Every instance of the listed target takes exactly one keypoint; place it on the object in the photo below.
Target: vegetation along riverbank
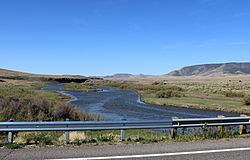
(228, 94)
(23, 100)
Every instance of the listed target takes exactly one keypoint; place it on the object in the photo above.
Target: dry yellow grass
(74, 136)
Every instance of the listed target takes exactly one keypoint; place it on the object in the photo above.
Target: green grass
(205, 94)
(13, 146)
(24, 101)
(86, 87)
(218, 102)
(211, 94)
(132, 136)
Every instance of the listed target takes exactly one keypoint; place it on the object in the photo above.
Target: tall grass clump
(168, 94)
(234, 94)
(247, 99)
(87, 87)
(24, 103)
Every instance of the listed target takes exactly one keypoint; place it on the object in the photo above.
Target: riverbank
(24, 100)
(84, 87)
(227, 94)
(129, 99)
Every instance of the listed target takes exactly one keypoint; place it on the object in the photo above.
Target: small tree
(247, 99)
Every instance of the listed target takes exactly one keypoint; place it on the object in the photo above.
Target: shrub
(174, 88)
(13, 146)
(168, 94)
(247, 99)
(233, 94)
(155, 83)
(26, 104)
(87, 86)
(90, 140)
(107, 137)
(164, 94)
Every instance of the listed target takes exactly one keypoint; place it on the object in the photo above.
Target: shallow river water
(115, 104)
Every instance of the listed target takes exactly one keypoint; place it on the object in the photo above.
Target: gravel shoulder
(119, 150)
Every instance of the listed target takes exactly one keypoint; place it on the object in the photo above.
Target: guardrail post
(67, 134)
(174, 130)
(243, 128)
(221, 128)
(122, 135)
(10, 138)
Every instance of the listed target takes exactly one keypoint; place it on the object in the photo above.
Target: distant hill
(5, 72)
(213, 70)
(120, 75)
(126, 75)
(9, 74)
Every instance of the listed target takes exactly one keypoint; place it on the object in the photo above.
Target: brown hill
(213, 70)
(10, 74)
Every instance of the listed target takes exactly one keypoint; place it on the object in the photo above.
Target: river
(116, 104)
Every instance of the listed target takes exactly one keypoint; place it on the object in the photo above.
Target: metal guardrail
(175, 123)
(199, 122)
(82, 125)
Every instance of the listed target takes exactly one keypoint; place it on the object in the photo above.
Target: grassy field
(24, 101)
(229, 94)
(86, 87)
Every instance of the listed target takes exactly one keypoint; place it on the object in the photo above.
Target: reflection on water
(114, 104)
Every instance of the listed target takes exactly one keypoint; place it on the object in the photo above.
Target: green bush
(173, 88)
(107, 137)
(234, 94)
(168, 94)
(247, 99)
(90, 140)
(87, 87)
(101, 137)
(164, 94)
(13, 146)
(155, 83)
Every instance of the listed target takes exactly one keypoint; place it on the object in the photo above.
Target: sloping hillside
(9, 74)
(126, 75)
(213, 70)
(5, 72)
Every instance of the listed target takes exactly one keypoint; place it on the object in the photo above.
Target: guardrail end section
(174, 130)
(243, 128)
(67, 134)
(221, 128)
(10, 137)
(122, 134)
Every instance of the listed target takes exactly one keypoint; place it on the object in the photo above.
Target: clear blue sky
(101, 37)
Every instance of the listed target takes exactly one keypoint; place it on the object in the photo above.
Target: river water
(115, 104)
